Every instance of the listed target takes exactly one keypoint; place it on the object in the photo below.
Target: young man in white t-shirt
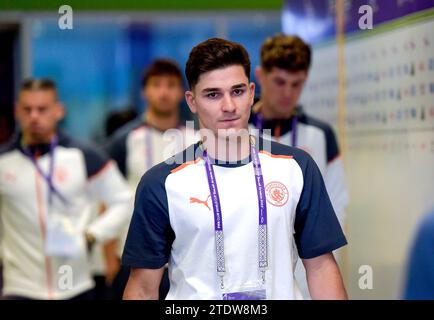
(231, 213)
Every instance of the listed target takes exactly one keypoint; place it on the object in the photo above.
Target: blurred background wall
(377, 88)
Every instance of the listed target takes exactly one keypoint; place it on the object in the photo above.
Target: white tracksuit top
(83, 176)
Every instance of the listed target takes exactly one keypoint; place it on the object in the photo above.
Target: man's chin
(284, 111)
(38, 136)
(165, 111)
(232, 132)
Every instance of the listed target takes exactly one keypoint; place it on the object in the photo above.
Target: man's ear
(259, 74)
(252, 87)
(60, 111)
(189, 97)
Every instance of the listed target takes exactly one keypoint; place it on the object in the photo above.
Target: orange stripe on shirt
(184, 165)
(276, 155)
(42, 216)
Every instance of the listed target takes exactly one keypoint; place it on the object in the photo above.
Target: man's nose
(288, 91)
(228, 104)
(34, 115)
(164, 92)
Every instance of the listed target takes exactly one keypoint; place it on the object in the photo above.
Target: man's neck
(228, 149)
(34, 140)
(269, 114)
(161, 122)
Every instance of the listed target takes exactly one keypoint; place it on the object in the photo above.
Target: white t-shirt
(173, 222)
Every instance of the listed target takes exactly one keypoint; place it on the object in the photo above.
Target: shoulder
(121, 134)
(9, 145)
(94, 156)
(329, 134)
(322, 125)
(158, 174)
(278, 150)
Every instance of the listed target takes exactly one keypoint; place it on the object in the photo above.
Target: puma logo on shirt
(205, 203)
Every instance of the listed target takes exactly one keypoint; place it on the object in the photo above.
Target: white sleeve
(334, 179)
(109, 186)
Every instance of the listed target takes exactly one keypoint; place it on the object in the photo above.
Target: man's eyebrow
(236, 86)
(210, 90)
(239, 86)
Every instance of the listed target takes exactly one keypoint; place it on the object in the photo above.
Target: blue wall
(98, 65)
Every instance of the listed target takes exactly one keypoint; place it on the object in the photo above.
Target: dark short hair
(161, 67)
(214, 54)
(288, 52)
(39, 84)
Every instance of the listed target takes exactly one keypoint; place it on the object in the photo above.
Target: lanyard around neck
(47, 177)
(218, 221)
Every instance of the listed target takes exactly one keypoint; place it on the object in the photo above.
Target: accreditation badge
(61, 237)
(252, 291)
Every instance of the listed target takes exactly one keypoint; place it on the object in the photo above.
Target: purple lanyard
(48, 178)
(259, 123)
(218, 222)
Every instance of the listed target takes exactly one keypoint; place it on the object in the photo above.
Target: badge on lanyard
(254, 291)
(62, 239)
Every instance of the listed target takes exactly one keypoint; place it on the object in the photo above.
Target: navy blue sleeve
(150, 235)
(11, 144)
(116, 145)
(317, 229)
(117, 149)
(420, 274)
(95, 158)
(331, 142)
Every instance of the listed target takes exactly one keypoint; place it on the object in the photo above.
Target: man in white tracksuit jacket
(49, 183)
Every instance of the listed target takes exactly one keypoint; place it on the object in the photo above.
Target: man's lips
(228, 123)
(35, 127)
(285, 103)
(229, 120)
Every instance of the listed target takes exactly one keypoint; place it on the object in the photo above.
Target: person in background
(48, 184)
(285, 63)
(144, 142)
(420, 266)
